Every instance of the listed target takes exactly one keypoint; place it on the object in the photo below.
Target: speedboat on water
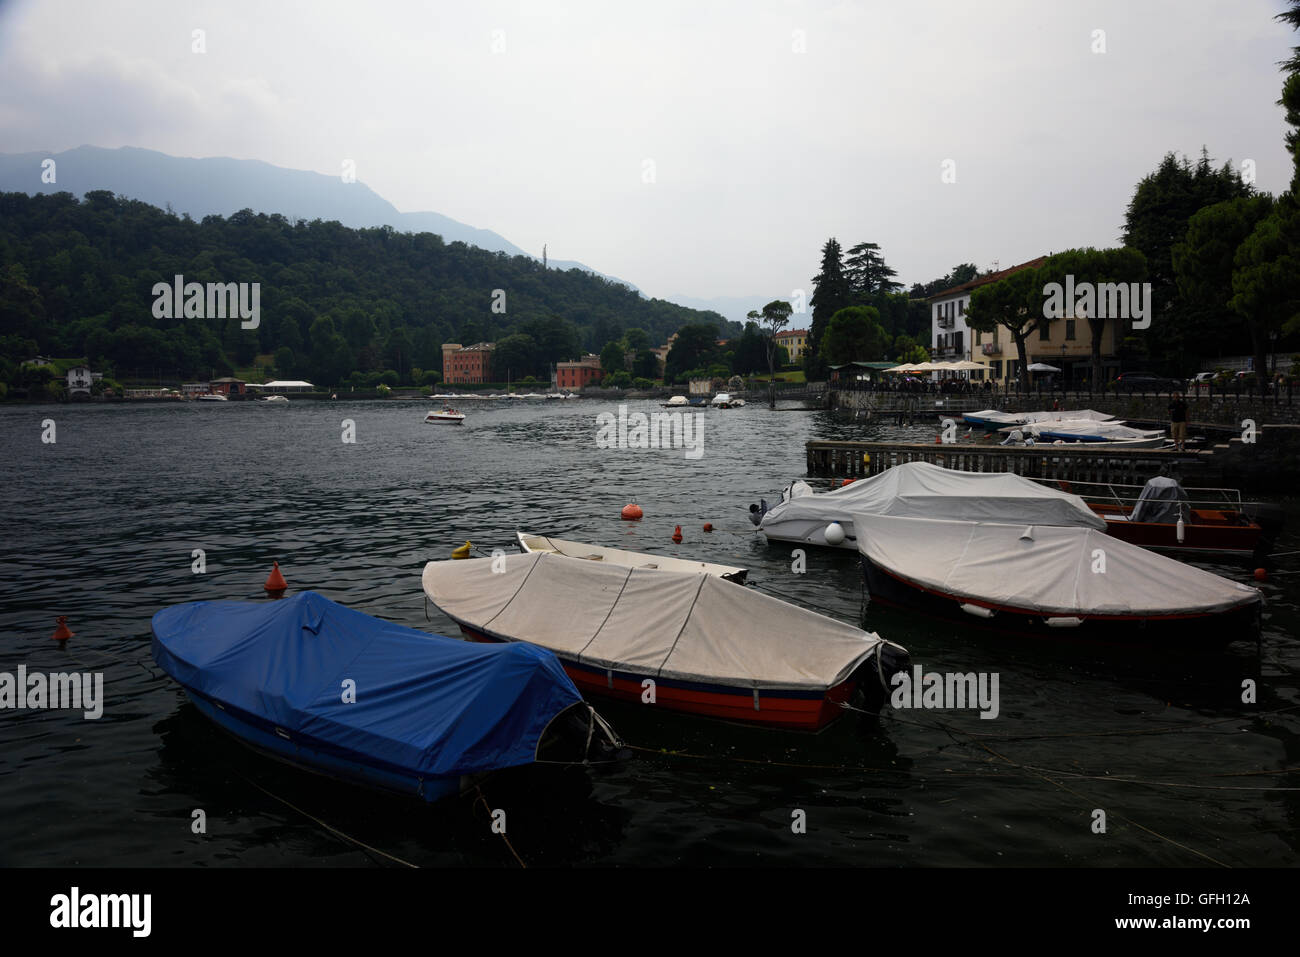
(687, 642)
(212, 397)
(448, 415)
(335, 691)
(1041, 579)
(529, 543)
(919, 489)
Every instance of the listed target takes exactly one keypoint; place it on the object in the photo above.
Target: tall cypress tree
(831, 293)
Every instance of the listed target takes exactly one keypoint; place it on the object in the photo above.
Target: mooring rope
(333, 830)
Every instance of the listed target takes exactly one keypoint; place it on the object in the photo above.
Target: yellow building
(795, 342)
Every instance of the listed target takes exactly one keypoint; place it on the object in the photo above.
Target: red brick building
(467, 365)
(575, 375)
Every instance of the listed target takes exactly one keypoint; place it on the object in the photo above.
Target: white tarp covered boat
(1083, 430)
(919, 489)
(993, 419)
(1028, 577)
(617, 556)
(708, 646)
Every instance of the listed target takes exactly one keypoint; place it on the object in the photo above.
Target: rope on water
(487, 807)
(1086, 800)
(333, 830)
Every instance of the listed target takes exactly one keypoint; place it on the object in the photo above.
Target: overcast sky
(762, 127)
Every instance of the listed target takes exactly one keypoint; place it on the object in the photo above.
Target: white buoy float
(834, 533)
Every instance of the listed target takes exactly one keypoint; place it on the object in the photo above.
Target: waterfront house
(576, 375)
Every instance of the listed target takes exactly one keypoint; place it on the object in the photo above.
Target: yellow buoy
(462, 552)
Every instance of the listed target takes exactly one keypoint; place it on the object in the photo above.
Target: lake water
(101, 526)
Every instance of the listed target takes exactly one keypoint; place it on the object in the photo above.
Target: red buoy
(1261, 575)
(677, 535)
(275, 581)
(61, 630)
(708, 526)
(632, 513)
(847, 482)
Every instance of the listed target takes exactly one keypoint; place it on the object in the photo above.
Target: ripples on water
(102, 524)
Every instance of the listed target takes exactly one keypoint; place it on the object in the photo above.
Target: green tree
(612, 356)
(1015, 303)
(514, 356)
(831, 293)
(854, 334)
(867, 273)
(695, 347)
(1098, 267)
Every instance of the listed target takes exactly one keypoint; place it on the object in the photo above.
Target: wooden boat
(1044, 579)
(1162, 515)
(430, 714)
(687, 642)
(529, 543)
(448, 415)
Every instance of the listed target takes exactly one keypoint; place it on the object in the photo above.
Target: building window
(961, 308)
(1069, 330)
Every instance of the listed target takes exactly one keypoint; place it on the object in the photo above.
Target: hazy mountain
(221, 186)
(736, 308)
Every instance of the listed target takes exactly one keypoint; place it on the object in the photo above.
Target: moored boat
(684, 642)
(1047, 579)
(335, 691)
(919, 489)
(212, 397)
(1162, 515)
(677, 402)
(529, 543)
(993, 419)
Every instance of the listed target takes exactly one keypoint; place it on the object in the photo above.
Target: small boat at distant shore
(448, 415)
(677, 402)
(428, 717)
(683, 642)
(1045, 579)
(212, 397)
(277, 399)
(529, 543)
(722, 400)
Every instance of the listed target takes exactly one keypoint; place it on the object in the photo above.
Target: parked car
(1200, 382)
(1146, 382)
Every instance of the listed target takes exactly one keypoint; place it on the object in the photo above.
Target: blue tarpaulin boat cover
(425, 704)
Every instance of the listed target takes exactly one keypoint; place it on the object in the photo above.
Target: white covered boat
(448, 415)
(1084, 430)
(682, 642)
(993, 419)
(529, 543)
(722, 400)
(677, 402)
(919, 489)
(1029, 577)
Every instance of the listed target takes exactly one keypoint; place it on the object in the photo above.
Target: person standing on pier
(1178, 420)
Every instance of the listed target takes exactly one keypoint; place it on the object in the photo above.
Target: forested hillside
(77, 278)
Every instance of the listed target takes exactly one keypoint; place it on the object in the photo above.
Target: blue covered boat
(336, 691)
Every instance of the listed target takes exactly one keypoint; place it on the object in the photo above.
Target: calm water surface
(101, 525)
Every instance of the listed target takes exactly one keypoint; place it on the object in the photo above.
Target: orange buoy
(938, 440)
(1260, 575)
(61, 630)
(275, 581)
(708, 526)
(677, 535)
(632, 513)
(847, 482)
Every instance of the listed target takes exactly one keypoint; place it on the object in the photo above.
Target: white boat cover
(994, 417)
(1045, 569)
(922, 490)
(1096, 431)
(683, 626)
